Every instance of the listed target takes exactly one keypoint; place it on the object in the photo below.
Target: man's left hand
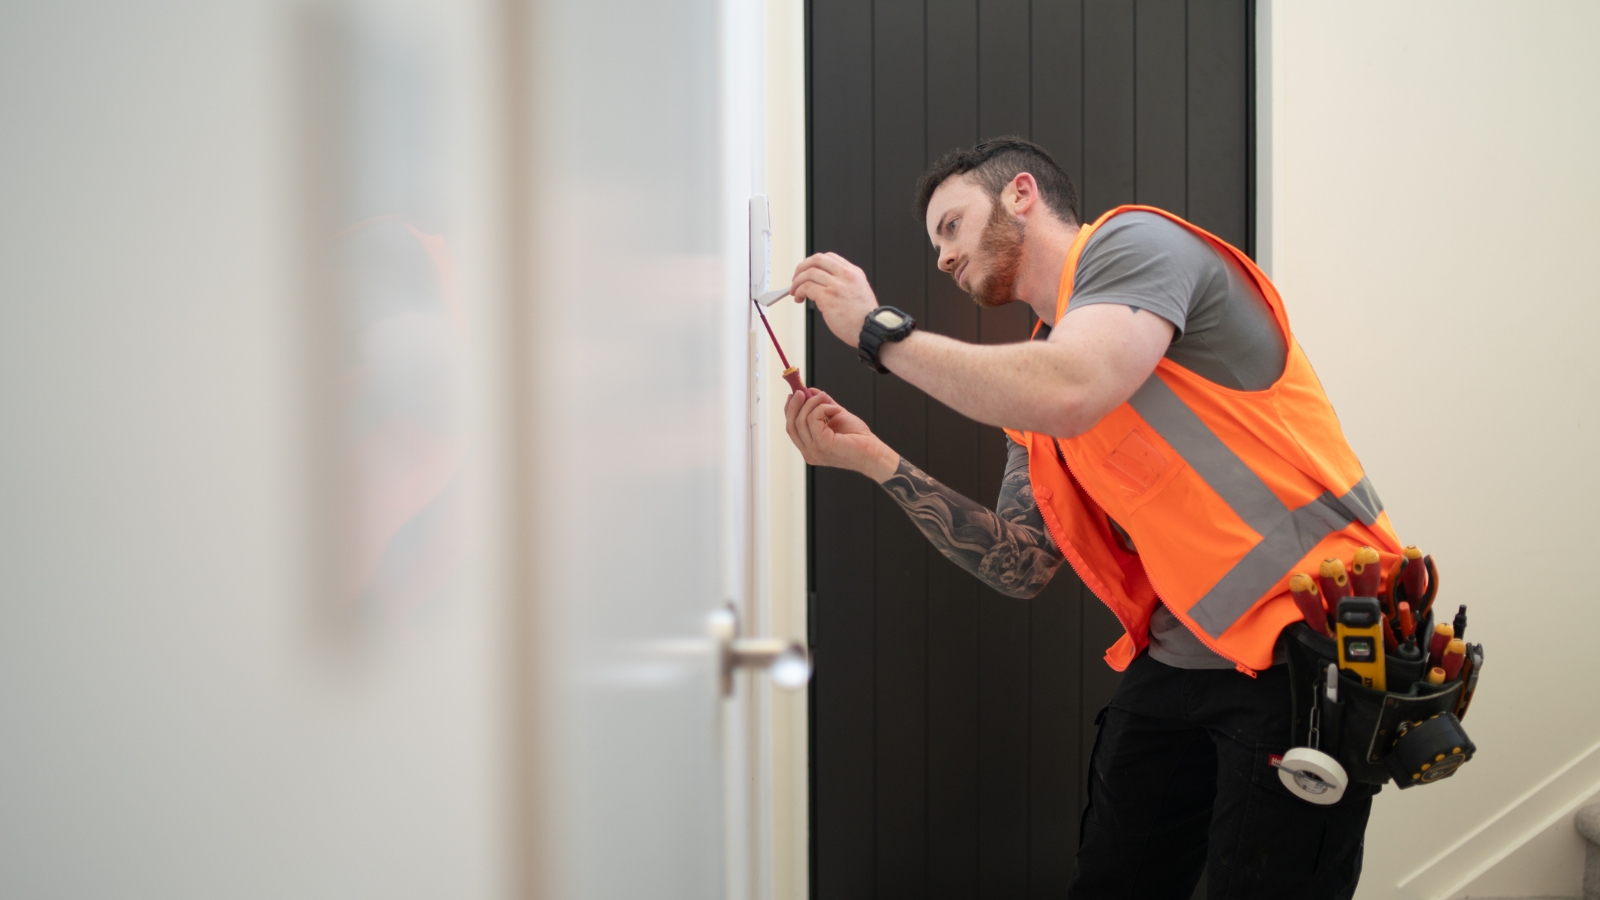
(840, 290)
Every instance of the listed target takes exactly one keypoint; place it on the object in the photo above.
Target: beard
(1000, 246)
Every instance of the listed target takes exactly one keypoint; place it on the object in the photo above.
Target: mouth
(961, 270)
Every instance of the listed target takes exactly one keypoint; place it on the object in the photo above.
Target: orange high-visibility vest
(1223, 494)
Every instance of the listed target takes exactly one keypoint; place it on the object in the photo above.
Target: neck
(1044, 253)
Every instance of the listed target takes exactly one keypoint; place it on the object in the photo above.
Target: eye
(951, 228)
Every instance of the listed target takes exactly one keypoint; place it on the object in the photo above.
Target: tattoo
(1007, 548)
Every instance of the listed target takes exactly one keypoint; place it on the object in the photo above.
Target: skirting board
(1481, 849)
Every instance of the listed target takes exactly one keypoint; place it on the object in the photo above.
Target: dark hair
(993, 164)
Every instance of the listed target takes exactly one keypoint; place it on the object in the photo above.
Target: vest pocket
(1136, 465)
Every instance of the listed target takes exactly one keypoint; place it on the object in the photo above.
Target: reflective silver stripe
(1238, 485)
(1237, 591)
(1363, 503)
(1285, 536)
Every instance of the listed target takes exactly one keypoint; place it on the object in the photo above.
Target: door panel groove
(951, 726)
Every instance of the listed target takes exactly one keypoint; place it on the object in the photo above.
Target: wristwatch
(883, 325)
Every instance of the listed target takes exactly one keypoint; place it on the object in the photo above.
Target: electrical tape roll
(1313, 776)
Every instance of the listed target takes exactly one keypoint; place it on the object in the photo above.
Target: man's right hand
(830, 435)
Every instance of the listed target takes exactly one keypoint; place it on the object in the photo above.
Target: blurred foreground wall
(250, 640)
(379, 403)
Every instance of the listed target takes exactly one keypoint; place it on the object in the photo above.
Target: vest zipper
(1062, 545)
(1062, 457)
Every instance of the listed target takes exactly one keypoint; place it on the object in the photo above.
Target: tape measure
(1429, 751)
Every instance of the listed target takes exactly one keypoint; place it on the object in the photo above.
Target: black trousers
(1181, 781)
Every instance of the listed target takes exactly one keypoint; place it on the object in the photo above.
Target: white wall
(1431, 207)
(786, 471)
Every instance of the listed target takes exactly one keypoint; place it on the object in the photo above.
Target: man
(1168, 437)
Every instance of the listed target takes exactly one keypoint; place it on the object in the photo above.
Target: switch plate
(760, 245)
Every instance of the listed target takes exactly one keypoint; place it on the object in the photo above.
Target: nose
(947, 261)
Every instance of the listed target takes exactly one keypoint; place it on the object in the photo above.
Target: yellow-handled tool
(1359, 627)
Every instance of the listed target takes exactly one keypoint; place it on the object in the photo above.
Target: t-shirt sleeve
(1144, 261)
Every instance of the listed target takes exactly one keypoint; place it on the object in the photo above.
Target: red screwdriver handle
(1304, 591)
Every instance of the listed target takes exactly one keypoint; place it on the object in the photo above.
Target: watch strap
(874, 335)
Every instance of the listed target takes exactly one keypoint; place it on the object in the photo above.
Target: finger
(803, 441)
(807, 283)
(791, 410)
(816, 431)
(802, 420)
(819, 414)
(794, 416)
(814, 261)
(832, 263)
(814, 273)
(811, 403)
(830, 408)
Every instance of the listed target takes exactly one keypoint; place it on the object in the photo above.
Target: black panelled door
(951, 726)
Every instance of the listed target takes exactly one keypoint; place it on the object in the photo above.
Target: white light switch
(760, 245)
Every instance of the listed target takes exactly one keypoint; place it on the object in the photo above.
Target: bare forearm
(1031, 386)
(1092, 363)
(1007, 549)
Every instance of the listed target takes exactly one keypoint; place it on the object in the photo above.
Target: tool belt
(1410, 733)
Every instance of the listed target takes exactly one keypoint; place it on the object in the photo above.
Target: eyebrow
(939, 228)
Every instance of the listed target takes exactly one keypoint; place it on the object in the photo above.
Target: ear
(1021, 195)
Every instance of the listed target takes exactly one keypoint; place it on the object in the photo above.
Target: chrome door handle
(787, 662)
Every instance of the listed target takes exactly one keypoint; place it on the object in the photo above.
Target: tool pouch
(1360, 728)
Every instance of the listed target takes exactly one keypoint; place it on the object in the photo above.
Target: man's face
(978, 242)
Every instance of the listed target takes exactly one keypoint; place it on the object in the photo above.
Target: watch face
(888, 318)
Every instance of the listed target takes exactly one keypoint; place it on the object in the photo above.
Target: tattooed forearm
(1006, 548)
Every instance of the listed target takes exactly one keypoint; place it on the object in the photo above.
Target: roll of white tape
(1312, 775)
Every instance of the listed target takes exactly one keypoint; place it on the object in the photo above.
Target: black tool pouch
(1359, 729)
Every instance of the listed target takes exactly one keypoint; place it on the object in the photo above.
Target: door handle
(787, 662)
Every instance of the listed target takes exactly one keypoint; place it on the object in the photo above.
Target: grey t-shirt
(1225, 329)
(1226, 333)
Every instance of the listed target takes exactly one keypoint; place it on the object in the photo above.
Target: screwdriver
(791, 374)
(1365, 573)
(1335, 583)
(1408, 625)
(1413, 575)
(1443, 634)
(1304, 591)
(1436, 675)
(1461, 621)
(1453, 655)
